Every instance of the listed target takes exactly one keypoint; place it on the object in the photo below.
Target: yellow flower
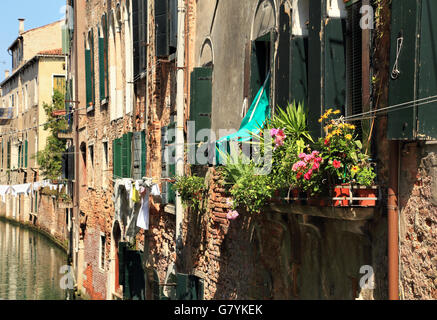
(349, 136)
(355, 169)
(337, 111)
(352, 127)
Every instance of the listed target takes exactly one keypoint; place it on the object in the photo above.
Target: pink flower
(301, 164)
(309, 157)
(315, 153)
(302, 156)
(316, 166)
(279, 141)
(299, 175)
(295, 167)
(318, 159)
(274, 132)
(232, 215)
(280, 133)
(336, 164)
(307, 176)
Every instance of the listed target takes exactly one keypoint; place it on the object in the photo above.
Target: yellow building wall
(48, 68)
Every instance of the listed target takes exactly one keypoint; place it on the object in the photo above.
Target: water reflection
(29, 265)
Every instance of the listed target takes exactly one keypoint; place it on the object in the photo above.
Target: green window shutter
(201, 100)
(143, 154)
(105, 56)
(93, 81)
(427, 115)
(136, 35)
(126, 155)
(162, 28)
(89, 99)
(102, 68)
(282, 66)
(26, 146)
(9, 155)
(314, 68)
(401, 123)
(116, 158)
(19, 156)
(65, 39)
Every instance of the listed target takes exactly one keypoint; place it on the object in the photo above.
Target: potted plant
(365, 190)
(344, 162)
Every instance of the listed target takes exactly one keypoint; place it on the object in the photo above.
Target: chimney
(21, 26)
(6, 74)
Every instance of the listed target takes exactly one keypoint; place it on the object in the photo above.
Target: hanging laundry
(135, 195)
(4, 190)
(21, 189)
(143, 216)
(155, 190)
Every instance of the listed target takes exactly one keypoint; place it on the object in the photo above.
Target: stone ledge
(339, 213)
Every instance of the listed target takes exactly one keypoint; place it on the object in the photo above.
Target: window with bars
(354, 56)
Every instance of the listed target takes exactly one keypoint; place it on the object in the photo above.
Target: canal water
(30, 265)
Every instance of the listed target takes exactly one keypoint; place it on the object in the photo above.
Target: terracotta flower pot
(342, 193)
(295, 195)
(367, 196)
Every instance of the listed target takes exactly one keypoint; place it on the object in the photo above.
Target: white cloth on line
(4, 190)
(143, 216)
(155, 190)
(21, 189)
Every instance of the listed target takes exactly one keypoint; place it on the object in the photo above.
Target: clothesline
(27, 188)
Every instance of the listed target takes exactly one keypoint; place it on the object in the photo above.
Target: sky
(36, 12)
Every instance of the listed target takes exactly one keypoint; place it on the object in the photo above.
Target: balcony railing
(6, 113)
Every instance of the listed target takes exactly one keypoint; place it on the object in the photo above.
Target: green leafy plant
(192, 190)
(365, 176)
(50, 159)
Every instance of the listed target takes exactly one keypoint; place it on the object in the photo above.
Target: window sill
(90, 108)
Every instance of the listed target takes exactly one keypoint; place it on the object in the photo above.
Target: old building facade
(132, 94)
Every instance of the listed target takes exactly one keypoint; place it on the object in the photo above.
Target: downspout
(180, 116)
(393, 219)
(76, 219)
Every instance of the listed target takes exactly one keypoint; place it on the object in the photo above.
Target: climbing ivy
(50, 159)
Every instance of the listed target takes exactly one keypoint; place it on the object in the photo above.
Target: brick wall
(418, 219)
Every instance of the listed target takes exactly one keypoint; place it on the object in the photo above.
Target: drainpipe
(180, 116)
(393, 218)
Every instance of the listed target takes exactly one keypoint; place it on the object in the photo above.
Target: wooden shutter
(26, 146)
(9, 154)
(126, 155)
(93, 81)
(426, 113)
(116, 158)
(189, 287)
(143, 154)
(173, 37)
(105, 55)
(161, 28)
(201, 100)
(282, 66)
(401, 123)
(137, 160)
(143, 34)
(334, 80)
(89, 100)
(168, 165)
(136, 35)
(102, 66)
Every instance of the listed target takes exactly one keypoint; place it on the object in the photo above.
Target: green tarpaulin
(254, 120)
